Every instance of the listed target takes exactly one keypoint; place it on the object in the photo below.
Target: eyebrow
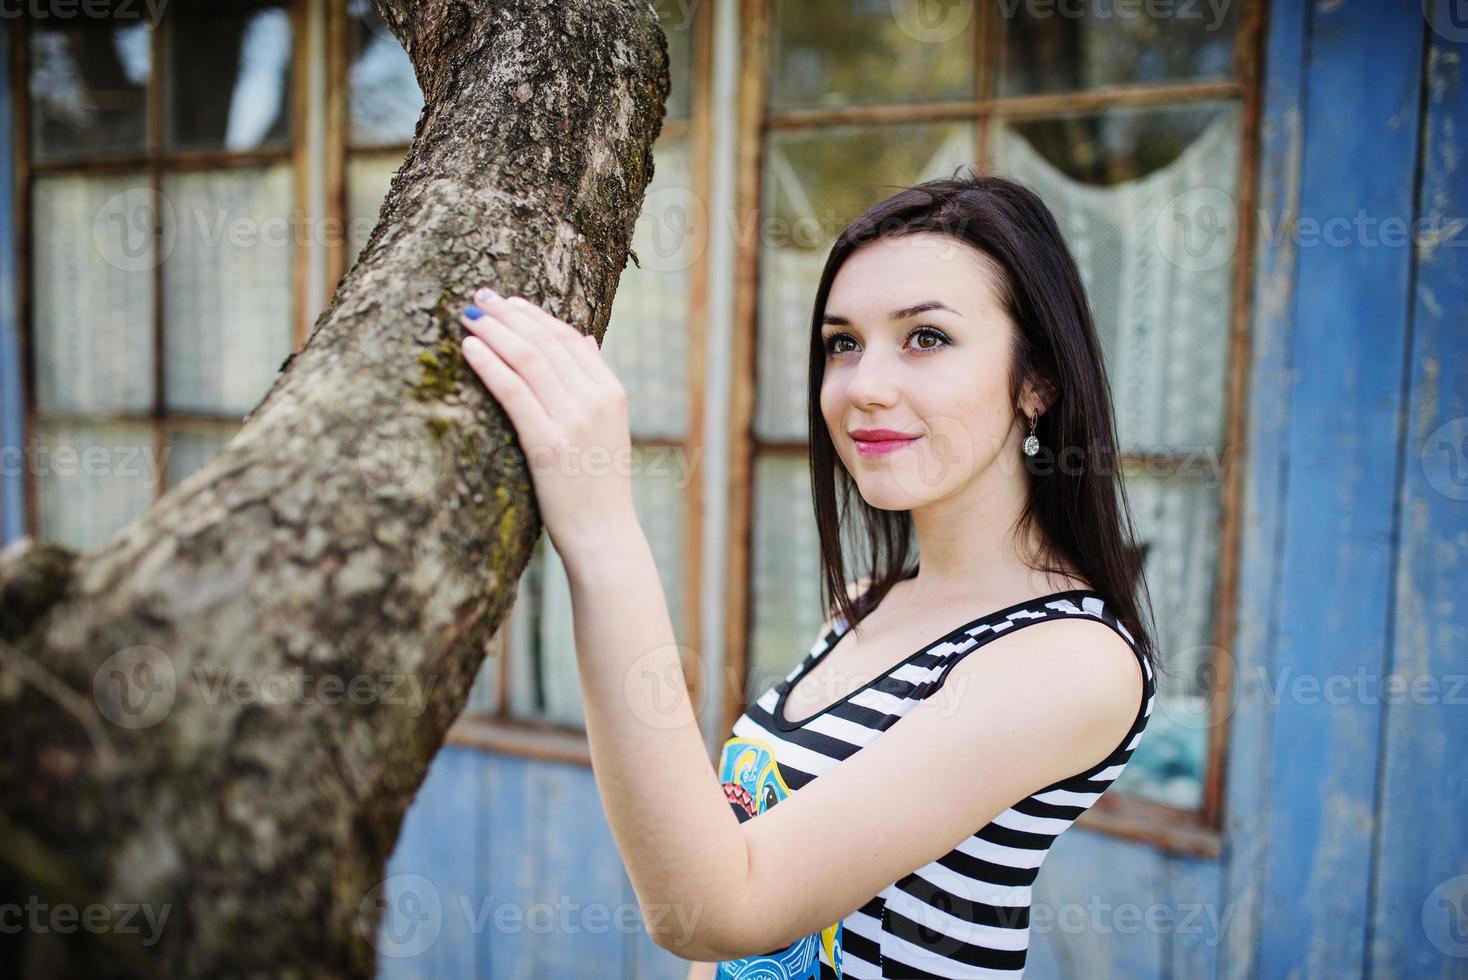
(831, 319)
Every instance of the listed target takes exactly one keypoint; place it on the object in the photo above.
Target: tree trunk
(172, 739)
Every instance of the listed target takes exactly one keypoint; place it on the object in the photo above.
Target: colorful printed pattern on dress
(752, 783)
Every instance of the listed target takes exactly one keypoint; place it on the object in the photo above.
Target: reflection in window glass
(92, 262)
(676, 17)
(227, 288)
(784, 573)
(92, 478)
(849, 52)
(1179, 522)
(1119, 43)
(815, 183)
(228, 77)
(646, 342)
(88, 89)
(189, 448)
(1144, 198)
(545, 683)
(384, 94)
(369, 175)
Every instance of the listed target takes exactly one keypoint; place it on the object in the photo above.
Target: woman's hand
(568, 409)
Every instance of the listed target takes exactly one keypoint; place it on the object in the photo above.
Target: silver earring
(1032, 444)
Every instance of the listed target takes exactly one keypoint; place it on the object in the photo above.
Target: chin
(891, 491)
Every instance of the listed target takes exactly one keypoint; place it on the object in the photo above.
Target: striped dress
(966, 914)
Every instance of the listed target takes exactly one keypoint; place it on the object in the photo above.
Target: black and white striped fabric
(966, 914)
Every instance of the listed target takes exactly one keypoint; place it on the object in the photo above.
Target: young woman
(959, 401)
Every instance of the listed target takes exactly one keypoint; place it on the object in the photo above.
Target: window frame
(155, 161)
(493, 727)
(1170, 829)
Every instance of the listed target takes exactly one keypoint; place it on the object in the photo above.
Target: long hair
(1079, 506)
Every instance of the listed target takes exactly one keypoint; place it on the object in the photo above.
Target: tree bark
(172, 738)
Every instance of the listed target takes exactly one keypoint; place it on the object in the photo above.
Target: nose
(874, 382)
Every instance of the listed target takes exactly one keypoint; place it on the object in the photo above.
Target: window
(527, 697)
(158, 177)
(168, 175)
(1132, 127)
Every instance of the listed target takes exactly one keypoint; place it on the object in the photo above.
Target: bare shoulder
(1081, 678)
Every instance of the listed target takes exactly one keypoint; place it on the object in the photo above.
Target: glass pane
(677, 17)
(368, 177)
(1112, 42)
(227, 288)
(228, 75)
(385, 99)
(663, 478)
(93, 287)
(92, 479)
(1145, 199)
(646, 343)
(815, 183)
(190, 448)
(544, 681)
(1179, 522)
(523, 698)
(849, 52)
(88, 89)
(784, 574)
(484, 695)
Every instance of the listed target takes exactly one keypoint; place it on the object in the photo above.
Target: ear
(1035, 398)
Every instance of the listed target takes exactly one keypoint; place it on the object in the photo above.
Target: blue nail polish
(473, 312)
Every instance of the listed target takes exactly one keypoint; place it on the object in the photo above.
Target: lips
(880, 442)
(879, 435)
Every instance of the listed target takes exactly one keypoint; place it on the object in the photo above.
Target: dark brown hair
(1078, 500)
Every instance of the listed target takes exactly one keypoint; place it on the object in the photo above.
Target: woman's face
(939, 376)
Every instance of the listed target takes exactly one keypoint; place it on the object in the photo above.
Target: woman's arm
(1041, 704)
(701, 971)
(679, 839)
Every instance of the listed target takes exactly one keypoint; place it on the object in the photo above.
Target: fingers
(545, 366)
(582, 347)
(525, 410)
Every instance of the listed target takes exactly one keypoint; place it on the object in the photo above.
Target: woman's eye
(932, 333)
(936, 335)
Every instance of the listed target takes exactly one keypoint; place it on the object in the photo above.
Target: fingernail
(486, 294)
(473, 312)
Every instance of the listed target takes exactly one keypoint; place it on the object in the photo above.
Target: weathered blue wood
(1087, 910)
(1249, 763)
(12, 478)
(553, 881)
(1197, 917)
(1419, 916)
(1344, 439)
(431, 877)
(507, 871)
(646, 960)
